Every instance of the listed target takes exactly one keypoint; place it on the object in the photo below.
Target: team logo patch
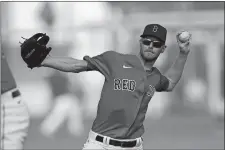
(151, 91)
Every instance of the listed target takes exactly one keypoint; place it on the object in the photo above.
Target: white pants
(14, 121)
(93, 144)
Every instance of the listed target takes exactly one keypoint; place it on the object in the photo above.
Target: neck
(146, 64)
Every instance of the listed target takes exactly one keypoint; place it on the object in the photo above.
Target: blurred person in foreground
(14, 112)
(130, 83)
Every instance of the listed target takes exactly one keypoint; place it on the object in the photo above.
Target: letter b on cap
(155, 29)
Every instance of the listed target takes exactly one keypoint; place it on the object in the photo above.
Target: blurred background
(63, 105)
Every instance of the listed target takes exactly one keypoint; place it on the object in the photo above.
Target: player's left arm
(175, 72)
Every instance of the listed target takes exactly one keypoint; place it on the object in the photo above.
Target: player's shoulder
(161, 76)
(111, 53)
(157, 71)
(118, 57)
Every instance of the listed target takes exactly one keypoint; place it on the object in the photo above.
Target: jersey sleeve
(163, 83)
(99, 63)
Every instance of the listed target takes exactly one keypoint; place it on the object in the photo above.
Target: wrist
(184, 54)
(42, 64)
(44, 61)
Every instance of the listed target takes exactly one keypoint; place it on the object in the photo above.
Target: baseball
(184, 36)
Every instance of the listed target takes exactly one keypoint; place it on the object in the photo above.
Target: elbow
(169, 89)
(171, 86)
(70, 68)
(74, 67)
(64, 69)
(75, 71)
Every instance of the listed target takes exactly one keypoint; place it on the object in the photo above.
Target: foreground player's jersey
(127, 90)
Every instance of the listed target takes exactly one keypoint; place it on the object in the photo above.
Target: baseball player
(130, 83)
(14, 112)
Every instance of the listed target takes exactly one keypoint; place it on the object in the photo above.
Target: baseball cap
(155, 30)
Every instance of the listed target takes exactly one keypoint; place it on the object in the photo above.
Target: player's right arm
(65, 64)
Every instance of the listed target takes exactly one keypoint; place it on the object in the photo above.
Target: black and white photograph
(118, 75)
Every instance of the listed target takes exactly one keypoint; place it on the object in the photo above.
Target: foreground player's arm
(65, 64)
(175, 72)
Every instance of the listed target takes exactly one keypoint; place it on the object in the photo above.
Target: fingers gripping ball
(184, 36)
(34, 49)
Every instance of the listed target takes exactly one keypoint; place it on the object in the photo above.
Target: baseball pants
(14, 120)
(91, 143)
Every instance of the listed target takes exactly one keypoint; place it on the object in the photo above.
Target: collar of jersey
(141, 67)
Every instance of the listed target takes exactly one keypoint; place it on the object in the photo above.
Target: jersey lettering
(117, 84)
(132, 85)
(124, 84)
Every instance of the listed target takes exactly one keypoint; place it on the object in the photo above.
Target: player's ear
(163, 48)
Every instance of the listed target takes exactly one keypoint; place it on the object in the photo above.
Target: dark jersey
(7, 79)
(126, 92)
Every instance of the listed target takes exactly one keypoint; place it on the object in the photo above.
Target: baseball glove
(34, 49)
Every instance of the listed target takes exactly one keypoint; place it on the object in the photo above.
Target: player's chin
(149, 56)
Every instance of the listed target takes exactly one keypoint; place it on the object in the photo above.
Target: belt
(15, 93)
(113, 142)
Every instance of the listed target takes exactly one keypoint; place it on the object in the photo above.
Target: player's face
(150, 48)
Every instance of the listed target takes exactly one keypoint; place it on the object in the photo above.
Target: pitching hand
(183, 46)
